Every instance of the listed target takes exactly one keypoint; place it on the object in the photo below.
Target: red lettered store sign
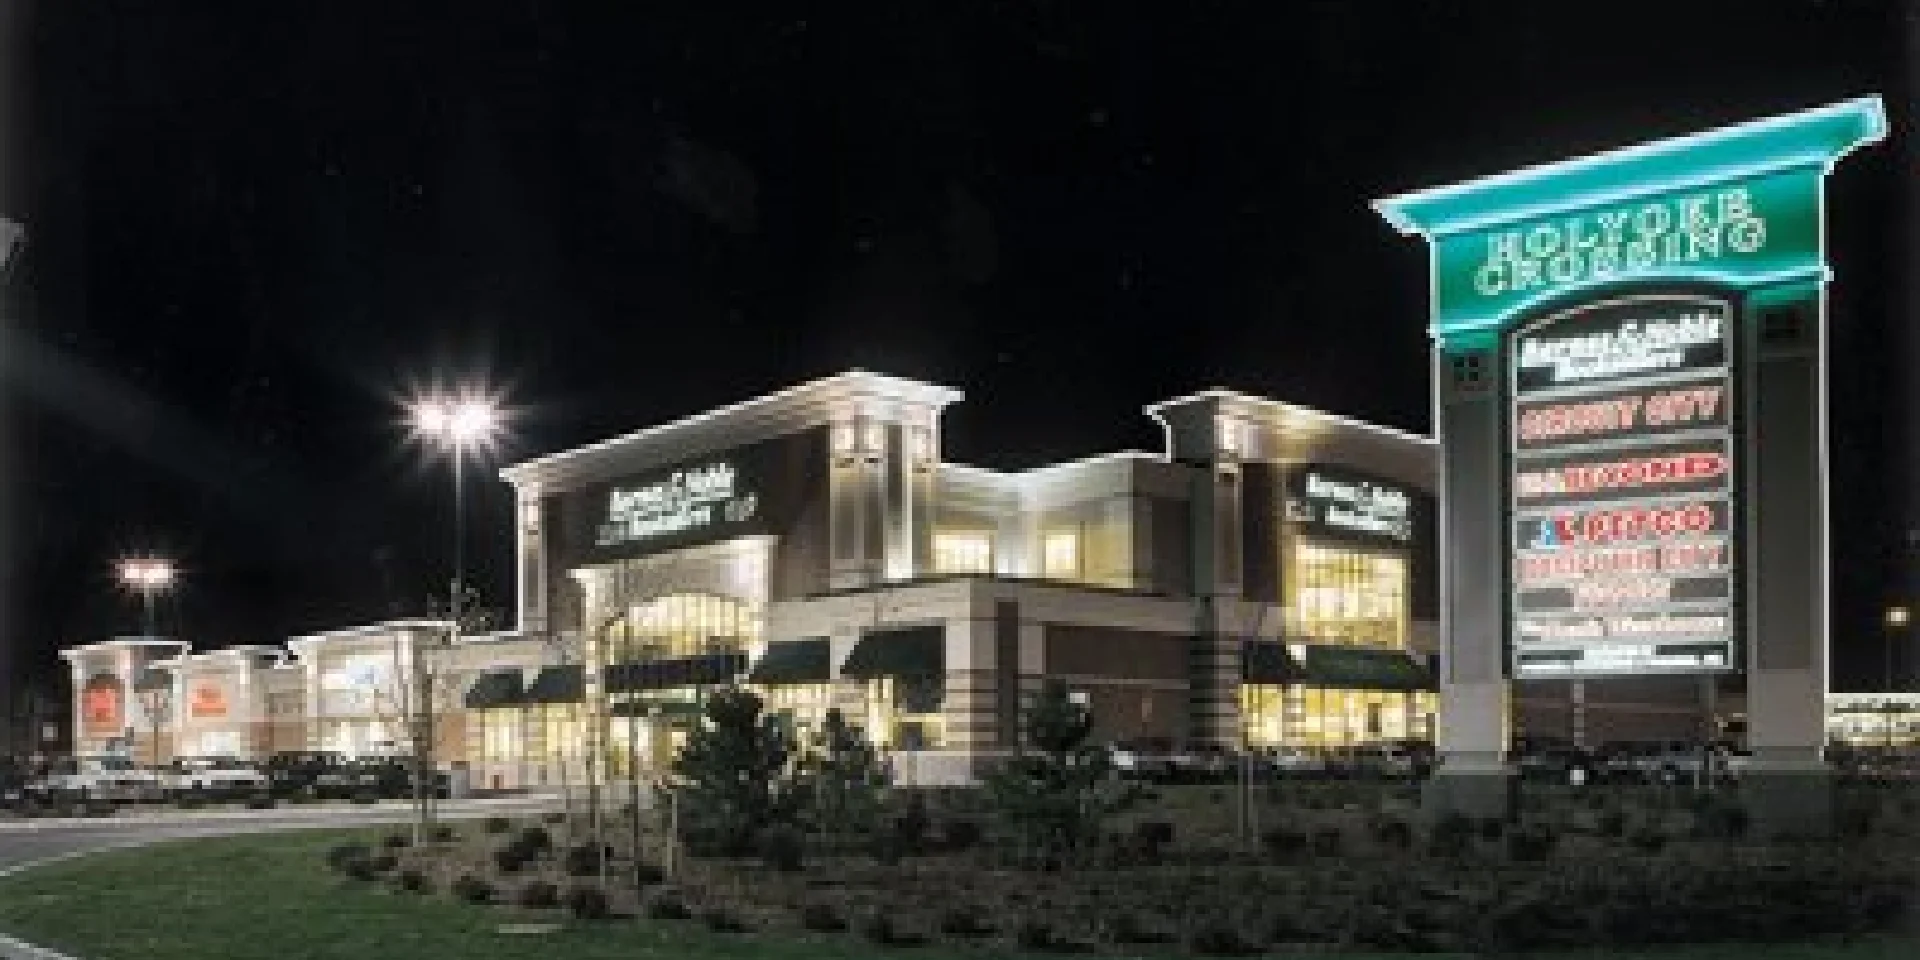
(1621, 489)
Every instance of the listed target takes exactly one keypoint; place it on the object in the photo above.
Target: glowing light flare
(466, 421)
(146, 574)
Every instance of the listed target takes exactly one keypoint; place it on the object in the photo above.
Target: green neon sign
(1739, 206)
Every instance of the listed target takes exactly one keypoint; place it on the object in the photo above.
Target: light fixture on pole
(1895, 619)
(457, 424)
(149, 577)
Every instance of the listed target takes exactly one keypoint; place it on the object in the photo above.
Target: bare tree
(155, 692)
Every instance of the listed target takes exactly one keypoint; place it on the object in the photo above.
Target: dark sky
(255, 225)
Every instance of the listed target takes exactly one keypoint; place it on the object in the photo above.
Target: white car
(1144, 759)
(215, 777)
(89, 778)
(1295, 761)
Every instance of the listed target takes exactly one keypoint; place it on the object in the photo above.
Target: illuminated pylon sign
(1630, 392)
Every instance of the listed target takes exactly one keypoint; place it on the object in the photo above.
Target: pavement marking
(11, 949)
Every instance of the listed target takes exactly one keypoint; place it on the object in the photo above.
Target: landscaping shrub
(534, 840)
(1721, 821)
(1220, 937)
(962, 835)
(1530, 844)
(911, 826)
(1452, 836)
(886, 849)
(1035, 933)
(554, 817)
(260, 801)
(1648, 839)
(1492, 829)
(1127, 928)
(365, 797)
(1283, 843)
(412, 881)
(1612, 823)
(443, 833)
(587, 903)
(497, 824)
(822, 918)
(1151, 835)
(1326, 842)
(190, 801)
(782, 848)
(362, 869)
(539, 893)
(340, 856)
(965, 922)
(396, 841)
(723, 920)
(1391, 832)
(383, 862)
(667, 905)
(472, 889)
(1855, 820)
(584, 860)
(510, 858)
(734, 775)
(646, 875)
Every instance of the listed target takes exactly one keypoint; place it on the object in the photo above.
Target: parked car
(296, 773)
(1145, 759)
(1295, 761)
(94, 778)
(216, 777)
(1552, 761)
(1205, 762)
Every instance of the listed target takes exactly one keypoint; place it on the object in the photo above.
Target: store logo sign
(1634, 347)
(687, 500)
(1687, 229)
(1354, 506)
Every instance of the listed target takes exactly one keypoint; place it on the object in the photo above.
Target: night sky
(255, 228)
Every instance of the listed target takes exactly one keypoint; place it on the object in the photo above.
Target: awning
(1364, 668)
(1268, 662)
(794, 661)
(706, 670)
(564, 684)
(495, 689)
(668, 710)
(913, 651)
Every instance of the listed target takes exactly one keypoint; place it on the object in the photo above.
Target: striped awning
(794, 661)
(495, 689)
(911, 651)
(705, 670)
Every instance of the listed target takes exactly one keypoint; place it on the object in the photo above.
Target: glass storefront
(904, 713)
(683, 625)
(1297, 715)
(1344, 594)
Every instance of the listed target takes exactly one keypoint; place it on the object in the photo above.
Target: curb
(12, 949)
(145, 818)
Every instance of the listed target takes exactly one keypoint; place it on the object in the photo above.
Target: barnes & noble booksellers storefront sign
(1623, 342)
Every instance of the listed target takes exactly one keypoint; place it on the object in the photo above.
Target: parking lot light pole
(1896, 620)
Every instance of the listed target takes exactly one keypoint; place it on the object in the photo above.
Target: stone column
(1473, 777)
(1784, 478)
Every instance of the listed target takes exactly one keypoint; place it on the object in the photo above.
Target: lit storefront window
(1317, 718)
(904, 713)
(963, 552)
(1060, 555)
(1347, 595)
(499, 735)
(806, 703)
(683, 625)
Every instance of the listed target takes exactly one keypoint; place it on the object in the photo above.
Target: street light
(1896, 619)
(149, 577)
(456, 425)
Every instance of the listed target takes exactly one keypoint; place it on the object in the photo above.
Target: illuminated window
(1343, 595)
(682, 625)
(1061, 554)
(963, 552)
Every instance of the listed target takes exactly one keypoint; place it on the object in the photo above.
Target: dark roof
(794, 661)
(908, 651)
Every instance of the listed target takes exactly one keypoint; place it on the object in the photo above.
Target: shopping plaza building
(1266, 578)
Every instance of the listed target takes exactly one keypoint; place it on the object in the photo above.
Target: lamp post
(456, 425)
(1896, 621)
(149, 577)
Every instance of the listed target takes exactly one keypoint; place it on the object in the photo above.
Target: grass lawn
(270, 897)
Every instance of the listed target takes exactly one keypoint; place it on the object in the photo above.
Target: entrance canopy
(911, 651)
